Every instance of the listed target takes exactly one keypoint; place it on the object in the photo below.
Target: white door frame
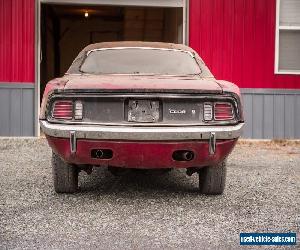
(184, 4)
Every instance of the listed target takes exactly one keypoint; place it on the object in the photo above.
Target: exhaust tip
(183, 155)
(188, 156)
(99, 153)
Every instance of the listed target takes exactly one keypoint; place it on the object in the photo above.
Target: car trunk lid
(147, 84)
(140, 100)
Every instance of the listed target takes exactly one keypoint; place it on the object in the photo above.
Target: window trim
(277, 34)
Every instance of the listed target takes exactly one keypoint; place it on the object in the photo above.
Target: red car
(140, 105)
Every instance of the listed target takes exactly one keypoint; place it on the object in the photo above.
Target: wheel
(65, 176)
(212, 179)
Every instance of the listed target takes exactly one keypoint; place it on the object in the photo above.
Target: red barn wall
(17, 68)
(236, 39)
(17, 41)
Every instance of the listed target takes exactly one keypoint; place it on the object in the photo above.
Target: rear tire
(65, 176)
(212, 179)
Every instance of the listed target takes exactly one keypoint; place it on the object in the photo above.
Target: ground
(146, 211)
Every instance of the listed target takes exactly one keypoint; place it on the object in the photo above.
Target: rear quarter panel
(55, 84)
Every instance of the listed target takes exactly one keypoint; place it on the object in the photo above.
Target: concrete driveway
(146, 211)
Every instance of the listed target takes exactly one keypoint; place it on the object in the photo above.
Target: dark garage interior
(67, 29)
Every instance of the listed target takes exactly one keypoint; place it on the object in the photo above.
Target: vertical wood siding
(236, 39)
(17, 41)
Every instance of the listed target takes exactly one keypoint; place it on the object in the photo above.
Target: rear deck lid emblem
(177, 111)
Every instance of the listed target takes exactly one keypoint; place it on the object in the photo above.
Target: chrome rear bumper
(142, 133)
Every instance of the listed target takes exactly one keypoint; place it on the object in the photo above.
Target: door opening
(66, 29)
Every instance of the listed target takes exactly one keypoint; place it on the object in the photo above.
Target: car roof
(125, 44)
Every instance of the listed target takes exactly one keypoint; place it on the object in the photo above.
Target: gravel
(146, 211)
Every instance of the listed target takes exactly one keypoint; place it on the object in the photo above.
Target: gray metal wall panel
(289, 116)
(279, 116)
(271, 114)
(28, 113)
(16, 110)
(268, 111)
(258, 117)
(4, 112)
(297, 116)
(247, 100)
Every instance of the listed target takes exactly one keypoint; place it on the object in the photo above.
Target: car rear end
(142, 130)
(156, 106)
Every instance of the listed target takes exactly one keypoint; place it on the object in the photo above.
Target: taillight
(78, 110)
(63, 110)
(208, 111)
(223, 111)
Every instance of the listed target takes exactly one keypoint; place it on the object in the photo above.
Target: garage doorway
(65, 27)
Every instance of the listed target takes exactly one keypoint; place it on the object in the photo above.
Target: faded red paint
(142, 83)
(55, 84)
(17, 41)
(142, 154)
(236, 39)
(139, 154)
(137, 84)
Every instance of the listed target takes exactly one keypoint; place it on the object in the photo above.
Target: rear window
(140, 61)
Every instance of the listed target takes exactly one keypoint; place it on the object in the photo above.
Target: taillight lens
(208, 111)
(78, 110)
(223, 111)
(63, 110)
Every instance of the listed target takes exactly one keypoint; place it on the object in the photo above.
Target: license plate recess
(143, 111)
